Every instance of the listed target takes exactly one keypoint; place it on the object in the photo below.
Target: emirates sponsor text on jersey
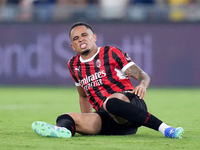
(93, 80)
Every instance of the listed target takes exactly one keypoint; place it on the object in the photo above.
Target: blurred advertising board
(37, 54)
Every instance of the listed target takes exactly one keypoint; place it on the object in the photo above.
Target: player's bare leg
(87, 123)
(69, 124)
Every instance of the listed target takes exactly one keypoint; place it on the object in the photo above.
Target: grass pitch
(19, 107)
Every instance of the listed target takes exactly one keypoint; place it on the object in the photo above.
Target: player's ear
(73, 47)
(95, 37)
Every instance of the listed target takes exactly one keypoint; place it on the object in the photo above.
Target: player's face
(83, 40)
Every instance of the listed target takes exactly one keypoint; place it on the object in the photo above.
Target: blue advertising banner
(37, 54)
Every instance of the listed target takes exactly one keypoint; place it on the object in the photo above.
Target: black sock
(66, 121)
(132, 113)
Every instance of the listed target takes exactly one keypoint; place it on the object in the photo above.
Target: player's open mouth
(83, 46)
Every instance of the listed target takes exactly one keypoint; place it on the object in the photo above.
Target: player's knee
(111, 105)
(115, 98)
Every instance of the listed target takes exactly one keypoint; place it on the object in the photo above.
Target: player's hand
(140, 91)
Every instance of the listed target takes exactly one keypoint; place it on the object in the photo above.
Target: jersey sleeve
(71, 70)
(122, 58)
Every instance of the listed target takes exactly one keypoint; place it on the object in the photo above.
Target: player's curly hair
(80, 24)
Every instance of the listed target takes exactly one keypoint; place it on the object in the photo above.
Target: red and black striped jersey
(101, 75)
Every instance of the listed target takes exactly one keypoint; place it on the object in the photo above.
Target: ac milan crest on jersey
(98, 63)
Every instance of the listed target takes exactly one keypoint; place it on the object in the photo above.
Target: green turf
(19, 107)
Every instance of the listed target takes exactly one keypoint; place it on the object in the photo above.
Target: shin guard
(66, 121)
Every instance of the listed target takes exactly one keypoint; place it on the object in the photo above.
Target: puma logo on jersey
(78, 69)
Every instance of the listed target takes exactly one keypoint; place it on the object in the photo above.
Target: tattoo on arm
(135, 72)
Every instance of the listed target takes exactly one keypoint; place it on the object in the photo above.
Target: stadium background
(162, 38)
